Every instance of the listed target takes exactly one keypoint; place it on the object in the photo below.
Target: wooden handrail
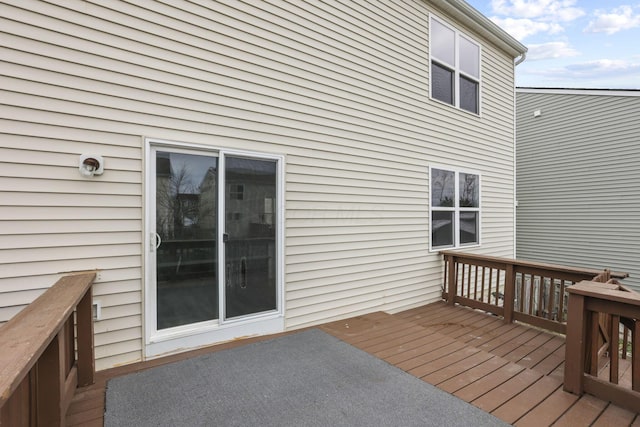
(588, 302)
(591, 272)
(39, 370)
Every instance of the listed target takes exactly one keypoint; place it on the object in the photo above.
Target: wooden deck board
(429, 354)
(509, 370)
(550, 364)
(614, 416)
(360, 329)
(490, 401)
(521, 352)
(511, 345)
(539, 354)
(408, 346)
(443, 361)
(585, 412)
(478, 330)
(424, 312)
(532, 396)
(457, 368)
(392, 339)
(481, 370)
(492, 338)
(409, 349)
(487, 383)
(549, 410)
(504, 334)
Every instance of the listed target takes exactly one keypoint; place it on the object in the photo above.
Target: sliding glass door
(213, 240)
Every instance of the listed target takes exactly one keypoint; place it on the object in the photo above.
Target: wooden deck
(512, 371)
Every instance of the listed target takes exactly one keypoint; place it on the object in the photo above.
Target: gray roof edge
(579, 91)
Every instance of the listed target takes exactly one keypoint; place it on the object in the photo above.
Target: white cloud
(605, 73)
(522, 28)
(600, 66)
(524, 18)
(550, 50)
(619, 19)
(549, 10)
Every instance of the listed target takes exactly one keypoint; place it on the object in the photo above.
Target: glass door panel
(186, 222)
(250, 236)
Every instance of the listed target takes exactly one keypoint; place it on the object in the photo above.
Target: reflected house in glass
(268, 166)
(184, 211)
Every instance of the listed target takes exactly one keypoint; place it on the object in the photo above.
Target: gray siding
(339, 88)
(578, 179)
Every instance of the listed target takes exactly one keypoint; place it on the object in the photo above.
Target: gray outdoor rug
(304, 379)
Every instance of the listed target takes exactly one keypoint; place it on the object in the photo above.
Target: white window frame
(455, 67)
(456, 209)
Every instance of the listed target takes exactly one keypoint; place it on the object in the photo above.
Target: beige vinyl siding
(340, 89)
(578, 179)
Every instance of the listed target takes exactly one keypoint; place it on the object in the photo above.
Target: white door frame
(185, 337)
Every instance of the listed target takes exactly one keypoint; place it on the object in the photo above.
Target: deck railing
(42, 358)
(529, 292)
(598, 312)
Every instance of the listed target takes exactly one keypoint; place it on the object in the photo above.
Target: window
(236, 191)
(455, 67)
(454, 208)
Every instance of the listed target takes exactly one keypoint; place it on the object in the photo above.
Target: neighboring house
(267, 165)
(578, 178)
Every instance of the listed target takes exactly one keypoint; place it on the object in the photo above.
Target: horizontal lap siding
(341, 89)
(356, 225)
(578, 181)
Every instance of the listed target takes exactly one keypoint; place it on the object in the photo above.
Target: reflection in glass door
(186, 224)
(250, 236)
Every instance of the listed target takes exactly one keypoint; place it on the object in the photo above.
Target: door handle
(156, 241)
(225, 237)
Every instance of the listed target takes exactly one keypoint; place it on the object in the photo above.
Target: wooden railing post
(86, 357)
(635, 357)
(453, 280)
(575, 344)
(49, 384)
(614, 353)
(509, 292)
(592, 342)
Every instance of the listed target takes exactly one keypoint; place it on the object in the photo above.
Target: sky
(572, 43)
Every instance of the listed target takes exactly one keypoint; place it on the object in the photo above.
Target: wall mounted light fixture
(90, 165)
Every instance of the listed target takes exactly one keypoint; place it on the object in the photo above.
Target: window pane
(468, 95)
(469, 190)
(441, 83)
(442, 188)
(442, 43)
(468, 227)
(441, 229)
(469, 57)
(186, 256)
